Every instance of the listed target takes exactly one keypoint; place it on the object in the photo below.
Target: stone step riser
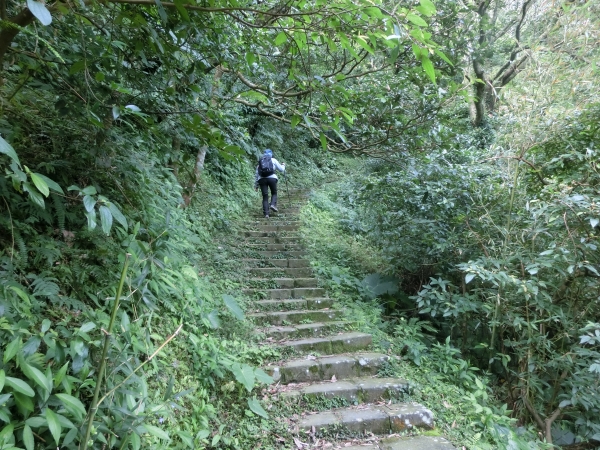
(285, 283)
(394, 418)
(275, 294)
(324, 368)
(270, 234)
(270, 263)
(266, 227)
(343, 343)
(291, 305)
(367, 390)
(274, 247)
(272, 271)
(304, 331)
(272, 240)
(279, 317)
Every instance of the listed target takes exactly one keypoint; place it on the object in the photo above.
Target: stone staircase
(332, 361)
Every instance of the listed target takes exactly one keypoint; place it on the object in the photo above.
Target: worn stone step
(270, 271)
(377, 419)
(329, 345)
(263, 262)
(323, 368)
(355, 390)
(280, 254)
(272, 240)
(274, 294)
(414, 443)
(265, 233)
(306, 330)
(267, 227)
(274, 247)
(281, 317)
(292, 304)
(286, 283)
(272, 221)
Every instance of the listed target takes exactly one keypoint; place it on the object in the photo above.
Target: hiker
(266, 179)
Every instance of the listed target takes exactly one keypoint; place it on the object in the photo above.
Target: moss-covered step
(377, 419)
(266, 233)
(329, 345)
(322, 368)
(272, 240)
(284, 283)
(265, 262)
(281, 317)
(292, 304)
(272, 254)
(274, 247)
(274, 294)
(263, 272)
(306, 330)
(355, 390)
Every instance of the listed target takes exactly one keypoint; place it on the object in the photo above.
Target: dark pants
(266, 184)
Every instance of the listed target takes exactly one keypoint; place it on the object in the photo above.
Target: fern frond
(59, 210)
(22, 247)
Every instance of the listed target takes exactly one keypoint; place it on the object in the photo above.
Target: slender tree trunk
(201, 155)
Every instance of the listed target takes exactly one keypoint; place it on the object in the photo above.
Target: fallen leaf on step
(333, 379)
(299, 444)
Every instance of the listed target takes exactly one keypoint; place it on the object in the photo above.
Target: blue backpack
(265, 166)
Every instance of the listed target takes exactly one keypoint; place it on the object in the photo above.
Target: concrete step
(329, 345)
(306, 330)
(286, 283)
(274, 294)
(323, 368)
(289, 263)
(292, 304)
(355, 390)
(274, 247)
(272, 222)
(307, 315)
(377, 419)
(271, 271)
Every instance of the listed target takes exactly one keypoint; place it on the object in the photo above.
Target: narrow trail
(332, 361)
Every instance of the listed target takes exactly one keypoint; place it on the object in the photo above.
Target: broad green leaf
(37, 422)
(6, 433)
(106, 219)
(426, 8)
(46, 324)
(323, 140)
(88, 326)
(24, 403)
(34, 195)
(8, 150)
(594, 222)
(281, 38)
(70, 437)
(60, 375)
(12, 349)
(428, 67)
(91, 217)
(89, 202)
(28, 437)
(155, 431)
(186, 438)
(257, 408)
(233, 306)
(179, 4)
(413, 18)
(19, 385)
(118, 215)
(73, 405)
(40, 184)
(262, 376)
(469, 277)
(88, 190)
(2, 379)
(244, 374)
(40, 12)
(363, 43)
(373, 11)
(36, 376)
(53, 425)
(443, 56)
(136, 442)
(295, 120)
(250, 58)
(161, 11)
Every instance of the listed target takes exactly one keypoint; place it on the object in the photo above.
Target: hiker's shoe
(274, 208)
(266, 216)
